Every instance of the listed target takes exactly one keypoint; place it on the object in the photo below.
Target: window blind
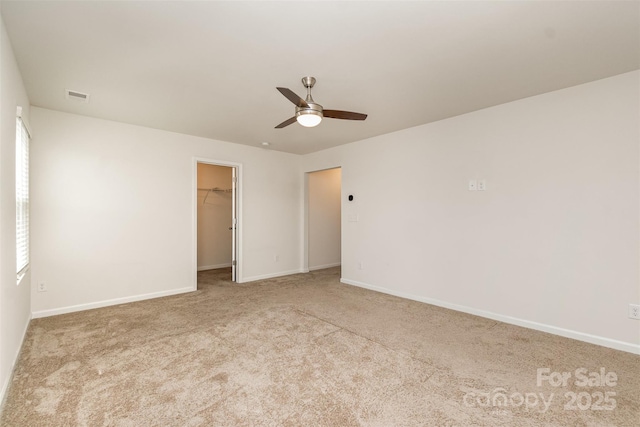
(22, 197)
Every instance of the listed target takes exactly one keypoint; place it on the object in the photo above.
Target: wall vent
(76, 96)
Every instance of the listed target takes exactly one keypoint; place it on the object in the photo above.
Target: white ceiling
(211, 68)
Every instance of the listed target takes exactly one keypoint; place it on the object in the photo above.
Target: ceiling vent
(76, 96)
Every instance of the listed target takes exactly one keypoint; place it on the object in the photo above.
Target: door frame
(305, 216)
(194, 219)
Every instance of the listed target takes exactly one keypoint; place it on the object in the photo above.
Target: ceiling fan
(308, 112)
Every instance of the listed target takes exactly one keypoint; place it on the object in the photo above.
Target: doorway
(217, 217)
(324, 230)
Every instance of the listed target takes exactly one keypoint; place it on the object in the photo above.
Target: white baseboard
(321, 267)
(106, 303)
(7, 382)
(213, 267)
(567, 333)
(271, 276)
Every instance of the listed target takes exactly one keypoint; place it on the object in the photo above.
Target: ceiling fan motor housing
(313, 109)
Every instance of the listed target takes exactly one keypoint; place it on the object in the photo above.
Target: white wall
(324, 218)
(15, 311)
(113, 213)
(553, 243)
(214, 217)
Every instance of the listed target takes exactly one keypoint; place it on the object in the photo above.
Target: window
(22, 196)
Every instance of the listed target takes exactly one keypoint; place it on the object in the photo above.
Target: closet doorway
(324, 231)
(217, 219)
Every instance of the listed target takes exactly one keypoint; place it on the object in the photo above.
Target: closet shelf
(215, 190)
(227, 190)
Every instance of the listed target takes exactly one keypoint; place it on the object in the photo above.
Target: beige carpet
(305, 350)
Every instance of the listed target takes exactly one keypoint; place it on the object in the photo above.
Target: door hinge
(233, 262)
(234, 179)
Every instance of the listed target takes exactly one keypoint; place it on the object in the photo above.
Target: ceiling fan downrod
(308, 82)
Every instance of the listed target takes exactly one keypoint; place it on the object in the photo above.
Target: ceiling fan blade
(291, 96)
(286, 123)
(346, 115)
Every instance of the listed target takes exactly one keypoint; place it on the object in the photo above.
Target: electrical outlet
(634, 311)
(42, 287)
(482, 185)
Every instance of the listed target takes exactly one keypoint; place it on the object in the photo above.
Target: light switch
(473, 185)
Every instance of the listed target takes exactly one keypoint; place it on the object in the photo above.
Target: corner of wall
(15, 300)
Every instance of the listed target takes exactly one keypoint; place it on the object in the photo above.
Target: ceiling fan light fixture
(309, 118)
